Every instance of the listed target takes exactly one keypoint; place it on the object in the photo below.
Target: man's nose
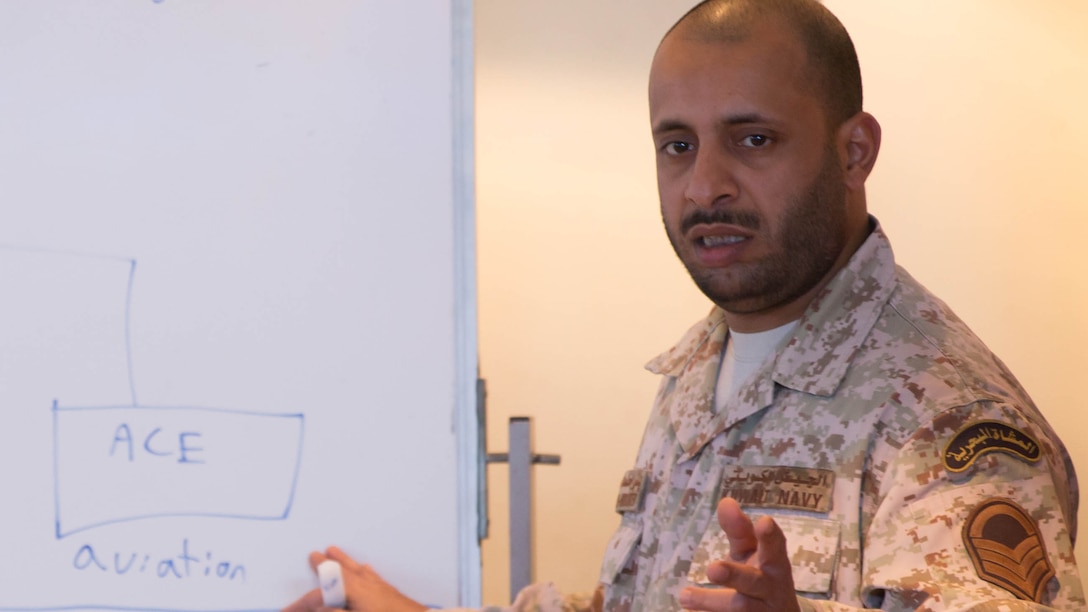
(711, 179)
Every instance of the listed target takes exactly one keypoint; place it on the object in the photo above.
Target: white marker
(331, 580)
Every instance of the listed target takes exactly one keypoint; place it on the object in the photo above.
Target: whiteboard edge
(466, 360)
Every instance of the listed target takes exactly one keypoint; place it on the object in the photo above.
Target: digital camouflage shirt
(905, 464)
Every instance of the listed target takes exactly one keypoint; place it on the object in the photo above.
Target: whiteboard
(236, 300)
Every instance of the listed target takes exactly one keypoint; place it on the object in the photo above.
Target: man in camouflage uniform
(871, 437)
(831, 436)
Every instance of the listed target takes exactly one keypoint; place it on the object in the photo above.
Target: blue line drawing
(35, 276)
(117, 464)
(115, 461)
(128, 328)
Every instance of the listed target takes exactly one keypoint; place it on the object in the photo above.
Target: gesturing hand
(757, 576)
(366, 590)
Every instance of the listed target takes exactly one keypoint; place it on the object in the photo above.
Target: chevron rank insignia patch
(1006, 548)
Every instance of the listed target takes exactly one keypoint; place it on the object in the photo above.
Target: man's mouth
(713, 241)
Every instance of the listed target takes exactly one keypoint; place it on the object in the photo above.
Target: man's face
(751, 189)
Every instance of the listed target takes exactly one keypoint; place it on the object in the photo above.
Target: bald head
(832, 63)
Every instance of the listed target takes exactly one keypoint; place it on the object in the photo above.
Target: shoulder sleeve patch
(1006, 548)
(983, 437)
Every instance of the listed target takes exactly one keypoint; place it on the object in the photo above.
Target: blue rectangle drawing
(118, 464)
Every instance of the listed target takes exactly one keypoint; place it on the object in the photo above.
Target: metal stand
(521, 459)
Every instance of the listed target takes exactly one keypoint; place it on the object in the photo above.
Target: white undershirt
(743, 355)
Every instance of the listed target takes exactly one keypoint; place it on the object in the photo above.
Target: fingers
(694, 598)
(310, 602)
(738, 529)
(341, 557)
(366, 591)
(741, 578)
(316, 559)
(773, 556)
(745, 588)
(765, 572)
(336, 554)
(757, 575)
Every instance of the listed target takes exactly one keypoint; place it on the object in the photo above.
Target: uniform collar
(813, 360)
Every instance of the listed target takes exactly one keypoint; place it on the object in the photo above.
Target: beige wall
(980, 185)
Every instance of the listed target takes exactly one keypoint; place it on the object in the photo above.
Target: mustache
(703, 216)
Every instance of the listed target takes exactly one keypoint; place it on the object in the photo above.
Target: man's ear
(859, 144)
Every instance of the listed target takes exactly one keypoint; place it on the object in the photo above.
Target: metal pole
(521, 505)
(520, 459)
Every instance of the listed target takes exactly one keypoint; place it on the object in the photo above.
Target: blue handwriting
(182, 565)
(122, 436)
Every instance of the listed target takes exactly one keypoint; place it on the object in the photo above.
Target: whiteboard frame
(466, 361)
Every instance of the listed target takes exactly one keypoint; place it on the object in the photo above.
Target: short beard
(810, 239)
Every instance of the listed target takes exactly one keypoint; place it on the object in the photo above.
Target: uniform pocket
(620, 549)
(812, 543)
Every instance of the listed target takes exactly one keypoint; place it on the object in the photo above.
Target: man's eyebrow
(745, 118)
(669, 125)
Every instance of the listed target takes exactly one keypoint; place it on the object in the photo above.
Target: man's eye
(755, 141)
(677, 147)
